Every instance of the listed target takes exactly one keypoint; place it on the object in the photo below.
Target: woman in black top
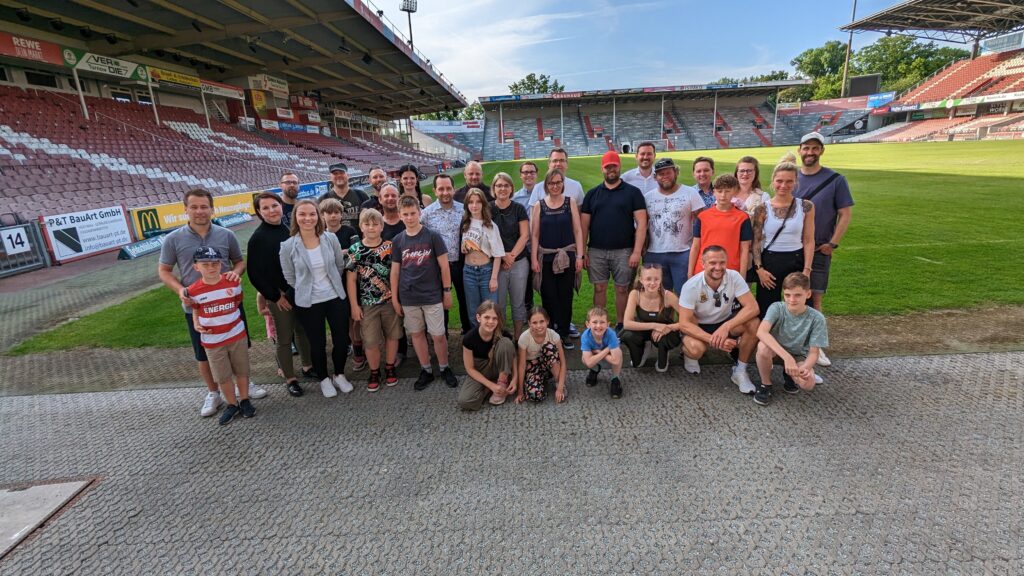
(409, 181)
(513, 227)
(264, 269)
(557, 246)
(489, 356)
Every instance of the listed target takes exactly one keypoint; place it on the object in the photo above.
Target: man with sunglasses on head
(717, 310)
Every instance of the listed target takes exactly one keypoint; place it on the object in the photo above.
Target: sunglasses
(718, 296)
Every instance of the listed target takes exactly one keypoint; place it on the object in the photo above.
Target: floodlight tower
(409, 6)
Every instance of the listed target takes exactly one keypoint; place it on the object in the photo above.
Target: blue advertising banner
(881, 99)
(311, 190)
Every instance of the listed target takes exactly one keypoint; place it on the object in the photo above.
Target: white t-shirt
(637, 179)
(484, 239)
(696, 295)
(322, 289)
(526, 342)
(670, 219)
(572, 188)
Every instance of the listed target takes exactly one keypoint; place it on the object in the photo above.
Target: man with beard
(671, 208)
(177, 250)
(351, 198)
(289, 194)
(377, 179)
(643, 175)
(445, 218)
(389, 211)
(833, 208)
(717, 310)
(474, 175)
(618, 211)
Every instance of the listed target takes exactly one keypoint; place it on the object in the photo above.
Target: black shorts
(711, 328)
(820, 268)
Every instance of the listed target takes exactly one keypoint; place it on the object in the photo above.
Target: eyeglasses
(289, 181)
(745, 171)
(524, 172)
(556, 182)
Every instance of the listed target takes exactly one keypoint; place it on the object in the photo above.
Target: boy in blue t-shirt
(600, 347)
(795, 333)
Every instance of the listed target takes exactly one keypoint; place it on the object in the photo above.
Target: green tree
(472, 112)
(821, 61)
(902, 61)
(533, 84)
(439, 115)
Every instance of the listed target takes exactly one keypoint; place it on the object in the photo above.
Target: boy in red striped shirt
(217, 317)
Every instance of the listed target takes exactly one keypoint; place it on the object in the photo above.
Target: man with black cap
(351, 198)
(617, 210)
(671, 208)
(833, 207)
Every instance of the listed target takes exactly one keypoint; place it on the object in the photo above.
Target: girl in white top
(483, 249)
(787, 242)
(312, 262)
(541, 357)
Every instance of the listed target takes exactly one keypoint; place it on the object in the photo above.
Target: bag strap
(789, 212)
(822, 186)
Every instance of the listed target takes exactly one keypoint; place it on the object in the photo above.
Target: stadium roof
(963, 21)
(345, 50)
(689, 91)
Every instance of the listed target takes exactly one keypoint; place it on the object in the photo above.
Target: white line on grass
(927, 260)
(934, 244)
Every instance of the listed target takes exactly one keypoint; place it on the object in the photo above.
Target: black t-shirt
(389, 231)
(460, 194)
(611, 215)
(351, 205)
(508, 221)
(480, 348)
(345, 234)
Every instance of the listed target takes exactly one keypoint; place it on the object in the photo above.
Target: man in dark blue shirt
(618, 212)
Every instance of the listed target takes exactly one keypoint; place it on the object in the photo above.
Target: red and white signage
(212, 88)
(26, 48)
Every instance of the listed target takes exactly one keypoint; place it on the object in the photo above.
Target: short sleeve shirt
(478, 346)
(670, 219)
(572, 188)
(446, 222)
(827, 202)
(637, 179)
(486, 239)
(526, 342)
(507, 221)
(180, 245)
(419, 278)
(611, 215)
(696, 295)
(797, 333)
(373, 272)
(589, 344)
(727, 229)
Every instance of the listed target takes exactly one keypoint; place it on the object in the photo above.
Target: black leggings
(556, 292)
(780, 265)
(336, 312)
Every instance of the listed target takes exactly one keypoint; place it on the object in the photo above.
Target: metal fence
(22, 249)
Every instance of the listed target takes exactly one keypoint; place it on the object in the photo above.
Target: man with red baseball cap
(618, 211)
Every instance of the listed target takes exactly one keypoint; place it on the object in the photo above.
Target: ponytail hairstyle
(638, 285)
(491, 306)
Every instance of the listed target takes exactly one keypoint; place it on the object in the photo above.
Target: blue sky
(484, 45)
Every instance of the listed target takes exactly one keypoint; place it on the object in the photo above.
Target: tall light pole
(409, 6)
(849, 48)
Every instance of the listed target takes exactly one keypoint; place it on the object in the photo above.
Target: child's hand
(493, 285)
(560, 393)
(792, 368)
(398, 307)
(520, 397)
(357, 314)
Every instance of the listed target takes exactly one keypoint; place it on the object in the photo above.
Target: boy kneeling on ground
(794, 332)
(217, 317)
(600, 347)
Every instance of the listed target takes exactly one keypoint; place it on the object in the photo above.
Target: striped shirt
(218, 309)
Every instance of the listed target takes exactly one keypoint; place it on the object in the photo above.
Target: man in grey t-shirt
(177, 250)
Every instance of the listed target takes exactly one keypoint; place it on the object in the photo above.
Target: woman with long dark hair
(409, 185)
(482, 250)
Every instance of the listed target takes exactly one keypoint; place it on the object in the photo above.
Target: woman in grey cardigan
(312, 262)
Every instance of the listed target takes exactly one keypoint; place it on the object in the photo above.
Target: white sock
(741, 365)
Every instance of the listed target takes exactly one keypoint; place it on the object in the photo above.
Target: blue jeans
(476, 280)
(673, 268)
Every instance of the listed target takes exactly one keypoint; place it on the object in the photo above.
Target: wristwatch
(757, 267)
(447, 289)
(833, 245)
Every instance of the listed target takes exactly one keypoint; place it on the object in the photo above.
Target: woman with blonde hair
(651, 319)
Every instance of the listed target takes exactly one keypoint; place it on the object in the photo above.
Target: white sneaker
(342, 383)
(742, 380)
(823, 360)
(648, 350)
(255, 392)
(690, 365)
(211, 404)
(327, 387)
(818, 380)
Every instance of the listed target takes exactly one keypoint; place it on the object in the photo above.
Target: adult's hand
(232, 276)
(825, 249)
(183, 295)
(397, 306)
(767, 278)
(719, 337)
(634, 259)
(536, 266)
(283, 304)
(446, 300)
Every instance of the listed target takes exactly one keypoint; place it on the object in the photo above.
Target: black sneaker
(568, 344)
(424, 380)
(449, 377)
(763, 395)
(309, 374)
(294, 389)
(248, 410)
(789, 385)
(229, 414)
(616, 388)
(619, 328)
(592, 377)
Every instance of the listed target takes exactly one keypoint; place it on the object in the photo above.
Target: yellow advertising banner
(163, 217)
(259, 101)
(161, 76)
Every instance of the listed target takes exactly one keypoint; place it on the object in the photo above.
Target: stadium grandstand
(133, 103)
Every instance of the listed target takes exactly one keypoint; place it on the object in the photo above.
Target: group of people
(378, 269)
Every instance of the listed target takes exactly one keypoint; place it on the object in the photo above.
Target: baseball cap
(340, 166)
(813, 136)
(206, 254)
(663, 163)
(610, 157)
